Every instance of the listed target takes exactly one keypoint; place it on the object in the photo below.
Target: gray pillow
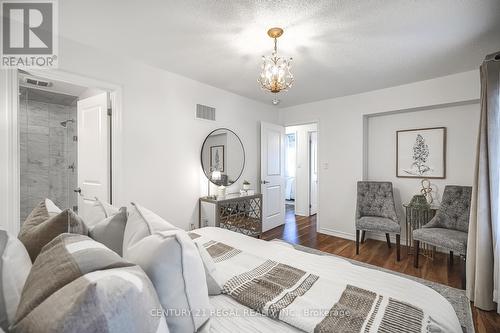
(79, 285)
(118, 300)
(65, 259)
(110, 230)
(42, 226)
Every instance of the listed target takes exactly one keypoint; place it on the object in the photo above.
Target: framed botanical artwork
(421, 153)
(217, 158)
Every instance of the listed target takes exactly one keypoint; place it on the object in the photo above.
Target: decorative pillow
(44, 224)
(99, 211)
(110, 230)
(15, 265)
(63, 260)
(172, 262)
(213, 285)
(119, 300)
(142, 223)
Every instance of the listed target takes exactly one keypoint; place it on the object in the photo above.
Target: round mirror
(222, 157)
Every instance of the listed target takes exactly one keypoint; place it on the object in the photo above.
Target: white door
(313, 170)
(272, 175)
(93, 151)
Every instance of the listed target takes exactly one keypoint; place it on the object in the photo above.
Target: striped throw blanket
(311, 302)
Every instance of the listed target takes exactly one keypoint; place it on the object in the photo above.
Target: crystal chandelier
(275, 75)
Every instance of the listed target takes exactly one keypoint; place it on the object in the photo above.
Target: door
(93, 151)
(272, 149)
(313, 172)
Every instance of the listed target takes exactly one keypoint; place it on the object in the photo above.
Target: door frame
(309, 122)
(12, 103)
(309, 153)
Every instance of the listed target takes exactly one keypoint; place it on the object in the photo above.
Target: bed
(395, 304)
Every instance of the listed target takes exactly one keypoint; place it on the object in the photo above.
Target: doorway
(301, 171)
(57, 125)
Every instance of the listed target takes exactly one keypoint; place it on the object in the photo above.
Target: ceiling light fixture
(275, 73)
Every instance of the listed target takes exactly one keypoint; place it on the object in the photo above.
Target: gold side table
(416, 218)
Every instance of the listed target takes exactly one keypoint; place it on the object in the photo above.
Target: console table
(240, 213)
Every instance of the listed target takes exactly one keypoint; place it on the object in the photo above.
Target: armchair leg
(451, 258)
(415, 253)
(388, 240)
(357, 241)
(464, 266)
(362, 236)
(398, 247)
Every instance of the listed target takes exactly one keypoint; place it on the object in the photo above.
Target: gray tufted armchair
(376, 212)
(449, 228)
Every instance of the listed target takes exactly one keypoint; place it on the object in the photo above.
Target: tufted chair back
(454, 210)
(376, 199)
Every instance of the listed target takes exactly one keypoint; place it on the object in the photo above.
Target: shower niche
(48, 148)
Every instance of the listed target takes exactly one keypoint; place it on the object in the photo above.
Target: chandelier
(275, 75)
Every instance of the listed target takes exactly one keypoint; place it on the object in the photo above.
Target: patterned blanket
(297, 297)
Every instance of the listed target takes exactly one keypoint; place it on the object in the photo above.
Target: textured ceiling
(339, 47)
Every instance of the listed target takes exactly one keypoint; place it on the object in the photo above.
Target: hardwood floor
(302, 230)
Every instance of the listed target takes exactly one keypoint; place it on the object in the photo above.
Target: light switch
(325, 166)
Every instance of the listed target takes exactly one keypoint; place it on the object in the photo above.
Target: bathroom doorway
(48, 124)
(301, 160)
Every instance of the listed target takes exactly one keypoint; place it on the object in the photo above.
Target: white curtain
(483, 246)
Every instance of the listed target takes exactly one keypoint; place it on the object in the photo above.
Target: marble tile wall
(47, 150)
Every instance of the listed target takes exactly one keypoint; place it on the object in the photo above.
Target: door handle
(78, 190)
(264, 182)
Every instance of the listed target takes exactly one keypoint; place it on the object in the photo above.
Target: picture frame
(421, 153)
(217, 158)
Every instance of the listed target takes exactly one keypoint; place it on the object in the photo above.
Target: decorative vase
(221, 191)
(246, 187)
(419, 201)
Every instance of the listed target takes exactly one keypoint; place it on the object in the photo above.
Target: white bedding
(229, 316)
(335, 269)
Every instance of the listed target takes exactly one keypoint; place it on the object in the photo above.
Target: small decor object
(246, 185)
(217, 158)
(221, 191)
(427, 190)
(421, 153)
(275, 75)
(419, 201)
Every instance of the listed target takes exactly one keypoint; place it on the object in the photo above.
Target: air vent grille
(205, 112)
(38, 82)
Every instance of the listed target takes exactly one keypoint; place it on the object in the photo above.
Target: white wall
(340, 137)
(302, 171)
(161, 139)
(461, 124)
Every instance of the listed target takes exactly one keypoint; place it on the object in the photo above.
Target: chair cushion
(374, 223)
(453, 240)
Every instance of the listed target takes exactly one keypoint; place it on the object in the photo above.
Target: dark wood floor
(302, 230)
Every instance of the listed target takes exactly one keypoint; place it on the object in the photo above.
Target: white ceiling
(339, 47)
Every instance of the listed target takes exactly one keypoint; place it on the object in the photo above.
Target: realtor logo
(29, 33)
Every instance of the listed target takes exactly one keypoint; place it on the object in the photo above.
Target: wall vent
(38, 82)
(205, 112)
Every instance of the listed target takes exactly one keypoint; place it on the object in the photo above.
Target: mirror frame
(242, 147)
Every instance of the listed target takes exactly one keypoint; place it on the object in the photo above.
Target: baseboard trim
(369, 235)
(351, 236)
(336, 233)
